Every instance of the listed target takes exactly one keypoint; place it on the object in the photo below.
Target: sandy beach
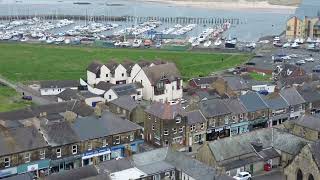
(212, 4)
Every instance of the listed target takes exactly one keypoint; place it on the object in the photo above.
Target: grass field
(260, 77)
(11, 100)
(25, 62)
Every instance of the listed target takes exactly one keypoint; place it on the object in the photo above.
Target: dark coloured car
(28, 98)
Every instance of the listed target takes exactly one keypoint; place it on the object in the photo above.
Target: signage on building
(96, 152)
(8, 172)
(32, 167)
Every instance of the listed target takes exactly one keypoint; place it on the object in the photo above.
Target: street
(277, 175)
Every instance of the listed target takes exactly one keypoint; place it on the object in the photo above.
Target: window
(107, 75)
(7, 162)
(192, 128)
(174, 130)
(117, 140)
(292, 109)
(300, 108)
(109, 96)
(318, 135)
(27, 157)
(165, 132)
(131, 137)
(178, 119)
(138, 93)
(108, 81)
(104, 143)
(233, 117)
(149, 116)
(152, 126)
(42, 154)
(226, 120)
(122, 74)
(89, 145)
(181, 129)
(58, 152)
(166, 142)
(241, 116)
(202, 126)
(74, 149)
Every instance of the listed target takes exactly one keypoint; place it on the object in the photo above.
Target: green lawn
(260, 77)
(11, 100)
(25, 62)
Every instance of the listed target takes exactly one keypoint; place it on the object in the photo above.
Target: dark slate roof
(165, 110)
(80, 108)
(59, 84)
(125, 89)
(144, 63)
(112, 65)
(94, 67)
(214, 107)
(58, 134)
(69, 94)
(206, 95)
(54, 117)
(315, 152)
(163, 159)
(292, 96)
(109, 124)
(195, 117)
(75, 174)
(17, 114)
(115, 165)
(308, 121)
(20, 139)
(226, 148)
(275, 101)
(252, 101)
(128, 65)
(204, 80)
(104, 85)
(157, 72)
(125, 102)
(236, 83)
(235, 106)
(309, 94)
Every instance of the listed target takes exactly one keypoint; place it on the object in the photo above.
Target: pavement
(274, 175)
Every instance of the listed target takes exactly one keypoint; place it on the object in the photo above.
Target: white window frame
(153, 127)
(42, 154)
(74, 149)
(58, 153)
(192, 128)
(89, 144)
(174, 130)
(8, 162)
(117, 139)
(202, 126)
(27, 157)
(131, 137)
(104, 143)
(181, 129)
(166, 132)
(178, 119)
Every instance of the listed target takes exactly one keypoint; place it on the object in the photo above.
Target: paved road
(20, 88)
(273, 176)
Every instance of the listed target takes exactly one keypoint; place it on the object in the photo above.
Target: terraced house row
(53, 138)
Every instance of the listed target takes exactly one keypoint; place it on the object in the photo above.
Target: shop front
(218, 133)
(38, 168)
(258, 124)
(8, 172)
(239, 128)
(96, 156)
(66, 163)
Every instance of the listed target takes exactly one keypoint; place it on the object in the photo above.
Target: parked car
(316, 69)
(310, 59)
(293, 56)
(243, 176)
(29, 98)
(300, 62)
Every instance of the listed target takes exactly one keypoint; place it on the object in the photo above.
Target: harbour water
(257, 23)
